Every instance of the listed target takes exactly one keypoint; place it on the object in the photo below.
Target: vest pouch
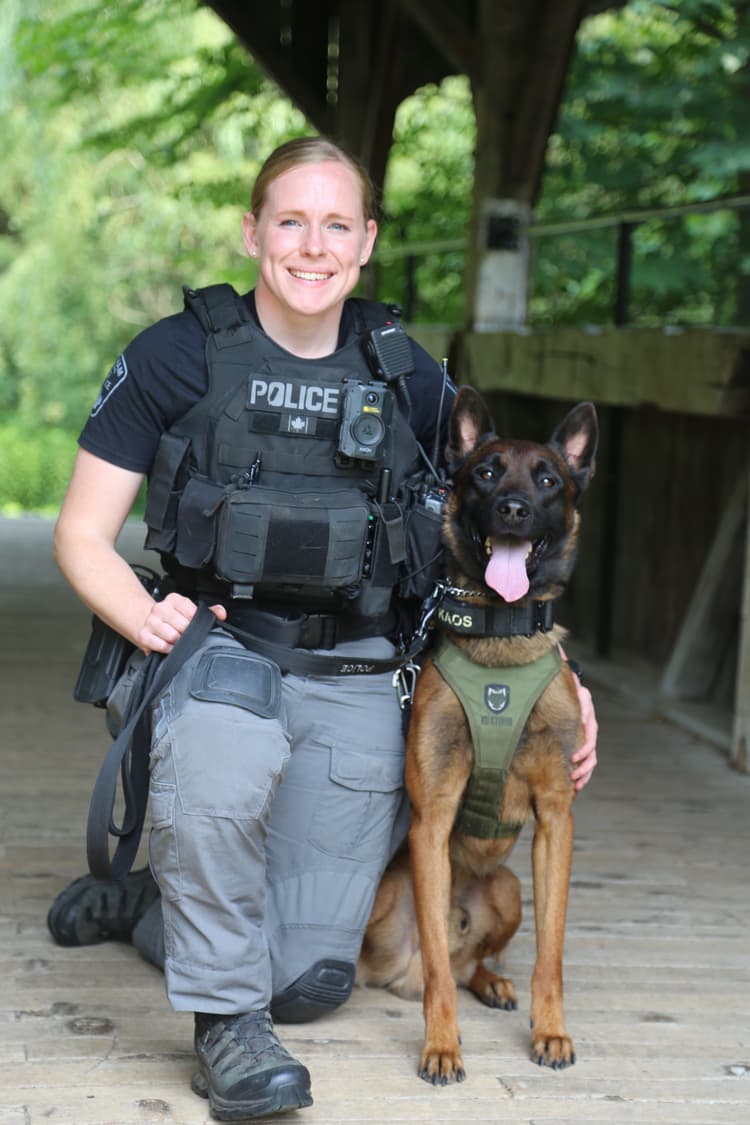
(424, 552)
(166, 480)
(108, 653)
(384, 552)
(196, 522)
(275, 538)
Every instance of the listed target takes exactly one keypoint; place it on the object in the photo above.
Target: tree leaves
(132, 133)
(653, 116)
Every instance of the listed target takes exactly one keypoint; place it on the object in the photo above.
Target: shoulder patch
(117, 375)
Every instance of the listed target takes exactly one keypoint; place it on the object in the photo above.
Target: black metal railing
(626, 223)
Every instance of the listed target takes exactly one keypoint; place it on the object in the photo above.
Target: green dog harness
(497, 702)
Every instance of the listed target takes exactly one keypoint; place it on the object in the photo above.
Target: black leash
(129, 754)
(129, 757)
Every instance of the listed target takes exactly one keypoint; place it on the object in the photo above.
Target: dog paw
(555, 1051)
(493, 990)
(501, 995)
(440, 1068)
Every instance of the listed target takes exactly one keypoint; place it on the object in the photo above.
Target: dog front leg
(441, 1060)
(552, 856)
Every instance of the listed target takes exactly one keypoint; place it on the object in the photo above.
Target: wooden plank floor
(657, 956)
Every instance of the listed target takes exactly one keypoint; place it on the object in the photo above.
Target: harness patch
(497, 697)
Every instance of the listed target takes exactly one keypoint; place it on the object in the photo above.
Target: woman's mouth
(310, 275)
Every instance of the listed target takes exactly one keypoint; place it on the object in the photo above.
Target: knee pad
(325, 986)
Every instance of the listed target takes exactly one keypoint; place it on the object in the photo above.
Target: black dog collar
(500, 620)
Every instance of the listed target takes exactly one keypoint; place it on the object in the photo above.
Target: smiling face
(311, 239)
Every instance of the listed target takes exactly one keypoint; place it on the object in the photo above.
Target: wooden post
(741, 737)
(612, 457)
(503, 269)
(710, 618)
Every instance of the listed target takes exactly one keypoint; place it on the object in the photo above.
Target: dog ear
(577, 438)
(469, 421)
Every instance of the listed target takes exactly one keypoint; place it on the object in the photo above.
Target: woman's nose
(313, 239)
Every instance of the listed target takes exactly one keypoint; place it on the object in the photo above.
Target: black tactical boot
(92, 910)
(244, 1070)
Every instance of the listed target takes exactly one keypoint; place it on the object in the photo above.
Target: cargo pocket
(226, 742)
(354, 816)
(163, 840)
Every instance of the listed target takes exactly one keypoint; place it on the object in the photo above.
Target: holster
(107, 652)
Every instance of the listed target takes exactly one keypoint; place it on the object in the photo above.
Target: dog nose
(513, 509)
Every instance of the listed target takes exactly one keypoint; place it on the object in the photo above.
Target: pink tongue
(506, 570)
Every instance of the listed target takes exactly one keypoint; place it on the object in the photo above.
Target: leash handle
(135, 737)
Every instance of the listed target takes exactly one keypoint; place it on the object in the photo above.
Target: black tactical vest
(283, 482)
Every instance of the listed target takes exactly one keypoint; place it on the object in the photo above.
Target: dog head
(511, 521)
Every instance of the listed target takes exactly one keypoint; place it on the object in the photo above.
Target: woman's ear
(371, 233)
(250, 234)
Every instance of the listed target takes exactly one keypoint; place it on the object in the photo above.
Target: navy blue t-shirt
(162, 373)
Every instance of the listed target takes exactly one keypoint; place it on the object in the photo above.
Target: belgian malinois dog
(510, 531)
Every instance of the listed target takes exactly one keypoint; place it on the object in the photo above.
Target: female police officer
(273, 796)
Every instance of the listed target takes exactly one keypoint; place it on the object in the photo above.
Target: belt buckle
(318, 630)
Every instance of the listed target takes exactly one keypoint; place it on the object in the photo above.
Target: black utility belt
(303, 663)
(308, 630)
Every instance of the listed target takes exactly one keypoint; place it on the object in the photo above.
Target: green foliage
(125, 177)
(132, 133)
(34, 472)
(426, 196)
(653, 116)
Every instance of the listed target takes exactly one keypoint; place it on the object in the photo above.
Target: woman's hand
(167, 620)
(584, 759)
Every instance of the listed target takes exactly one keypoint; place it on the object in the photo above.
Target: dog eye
(486, 474)
(546, 481)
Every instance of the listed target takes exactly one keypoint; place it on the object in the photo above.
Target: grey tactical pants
(275, 803)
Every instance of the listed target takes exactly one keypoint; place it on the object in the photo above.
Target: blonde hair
(310, 150)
